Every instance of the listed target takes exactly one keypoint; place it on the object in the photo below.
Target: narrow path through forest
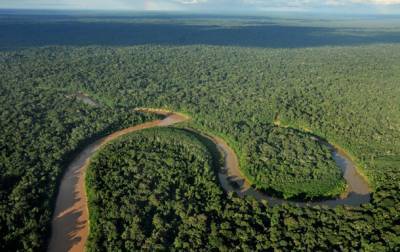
(70, 226)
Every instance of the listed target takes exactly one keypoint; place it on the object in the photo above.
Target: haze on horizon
(215, 6)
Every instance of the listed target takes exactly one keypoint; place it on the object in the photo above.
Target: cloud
(364, 2)
(216, 6)
(191, 1)
(377, 2)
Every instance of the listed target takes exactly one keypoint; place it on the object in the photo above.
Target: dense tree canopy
(40, 132)
(156, 190)
(347, 95)
(153, 190)
(292, 164)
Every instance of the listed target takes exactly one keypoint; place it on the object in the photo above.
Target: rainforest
(199, 134)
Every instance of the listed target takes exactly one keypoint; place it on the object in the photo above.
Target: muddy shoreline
(70, 222)
(233, 180)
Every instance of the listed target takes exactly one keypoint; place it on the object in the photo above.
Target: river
(70, 222)
(70, 227)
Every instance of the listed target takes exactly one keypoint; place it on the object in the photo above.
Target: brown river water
(70, 227)
(70, 223)
(233, 180)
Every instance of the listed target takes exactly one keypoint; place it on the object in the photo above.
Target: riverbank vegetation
(291, 164)
(170, 193)
(348, 95)
(156, 190)
(40, 132)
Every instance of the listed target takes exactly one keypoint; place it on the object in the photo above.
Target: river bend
(70, 222)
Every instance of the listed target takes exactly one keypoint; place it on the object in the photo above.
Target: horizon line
(204, 13)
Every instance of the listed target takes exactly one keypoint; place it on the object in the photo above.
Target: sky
(214, 6)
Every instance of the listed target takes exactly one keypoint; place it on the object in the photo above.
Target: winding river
(70, 223)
